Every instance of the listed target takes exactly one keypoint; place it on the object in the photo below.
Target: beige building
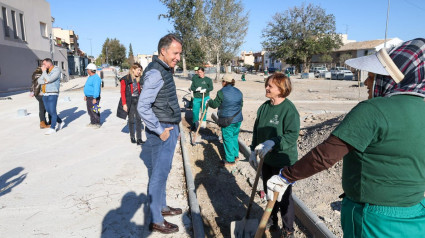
(25, 40)
(67, 38)
(143, 59)
(247, 58)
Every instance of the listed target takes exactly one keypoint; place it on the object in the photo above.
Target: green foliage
(125, 65)
(113, 51)
(344, 57)
(299, 33)
(195, 56)
(130, 51)
(326, 58)
(225, 28)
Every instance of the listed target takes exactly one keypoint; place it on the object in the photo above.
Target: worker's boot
(43, 125)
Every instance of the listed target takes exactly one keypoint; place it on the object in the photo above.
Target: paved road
(80, 182)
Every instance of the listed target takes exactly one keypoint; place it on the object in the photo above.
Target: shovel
(197, 130)
(266, 216)
(246, 227)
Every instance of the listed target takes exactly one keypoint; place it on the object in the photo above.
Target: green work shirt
(204, 83)
(387, 165)
(280, 123)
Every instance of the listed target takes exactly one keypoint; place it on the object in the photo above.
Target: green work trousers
(363, 220)
(197, 107)
(230, 141)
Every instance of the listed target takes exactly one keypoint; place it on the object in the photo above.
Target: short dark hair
(282, 82)
(48, 60)
(166, 41)
(202, 69)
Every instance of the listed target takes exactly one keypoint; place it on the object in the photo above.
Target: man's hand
(277, 183)
(43, 68)
(94, 101)
(264, 148)
(253, 160)
(85, 98)
(164, 136)
(198, 89)
(125, 107)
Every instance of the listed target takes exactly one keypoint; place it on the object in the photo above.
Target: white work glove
(277, 183)
(198, 89)
(206, 102)
(264, 148)
(253, 160)
(203, 91)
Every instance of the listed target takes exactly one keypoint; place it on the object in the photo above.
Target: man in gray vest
(158, 107)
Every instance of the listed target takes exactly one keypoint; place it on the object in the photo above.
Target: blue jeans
(50, 103)
(158, 157)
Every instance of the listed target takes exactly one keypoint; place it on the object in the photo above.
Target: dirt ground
(223, 193)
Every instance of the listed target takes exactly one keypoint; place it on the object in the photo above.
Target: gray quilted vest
(166, 106)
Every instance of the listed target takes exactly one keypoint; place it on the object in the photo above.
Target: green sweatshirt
(281, 124)
(204, 83)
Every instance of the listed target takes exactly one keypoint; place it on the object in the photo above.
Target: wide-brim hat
(378, 63)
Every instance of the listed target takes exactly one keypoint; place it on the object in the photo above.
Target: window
(43, 29)
(15, 28)
(63, 65)
(55, 63)
(5, 23)
(21, 18)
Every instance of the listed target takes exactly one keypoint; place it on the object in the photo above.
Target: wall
(19, 58)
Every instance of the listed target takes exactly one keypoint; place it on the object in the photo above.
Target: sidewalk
(79, 182)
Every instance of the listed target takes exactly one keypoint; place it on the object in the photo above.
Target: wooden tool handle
(254, 187)
(199, 126)
(266, 215)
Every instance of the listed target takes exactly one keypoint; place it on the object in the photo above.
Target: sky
(137, 21)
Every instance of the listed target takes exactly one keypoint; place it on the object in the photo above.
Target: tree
(299, 33)
(185, 14)
(113, 51)
(130, 55)
(225, 29)
(195, 56)
(343, 58)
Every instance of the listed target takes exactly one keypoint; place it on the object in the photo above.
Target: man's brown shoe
(43, 125)
(165, 228)
(171, 211)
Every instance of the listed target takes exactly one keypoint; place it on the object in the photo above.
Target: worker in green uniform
(229, 101)
(276, 130)
(382, 143)
(201, 88)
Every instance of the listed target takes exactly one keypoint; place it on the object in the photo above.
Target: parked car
(291, 70)
(271, 70)
(318, 71)
(341, 73)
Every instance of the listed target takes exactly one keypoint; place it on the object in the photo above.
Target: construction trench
(219, 195)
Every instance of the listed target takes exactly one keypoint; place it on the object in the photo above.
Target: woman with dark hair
(274, 138)
(201, 88)
(35, 91)
(229, 101)
(130, 92)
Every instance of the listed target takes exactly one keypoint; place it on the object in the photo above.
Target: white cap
(228, 78)
(378, 63)
(91, 66)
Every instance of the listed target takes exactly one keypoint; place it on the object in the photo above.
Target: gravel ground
(223, 193)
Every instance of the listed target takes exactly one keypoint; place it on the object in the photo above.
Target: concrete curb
(315, 226)
(197, 223)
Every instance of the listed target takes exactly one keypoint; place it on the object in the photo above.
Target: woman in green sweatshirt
(201, 85)
(274, 138)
